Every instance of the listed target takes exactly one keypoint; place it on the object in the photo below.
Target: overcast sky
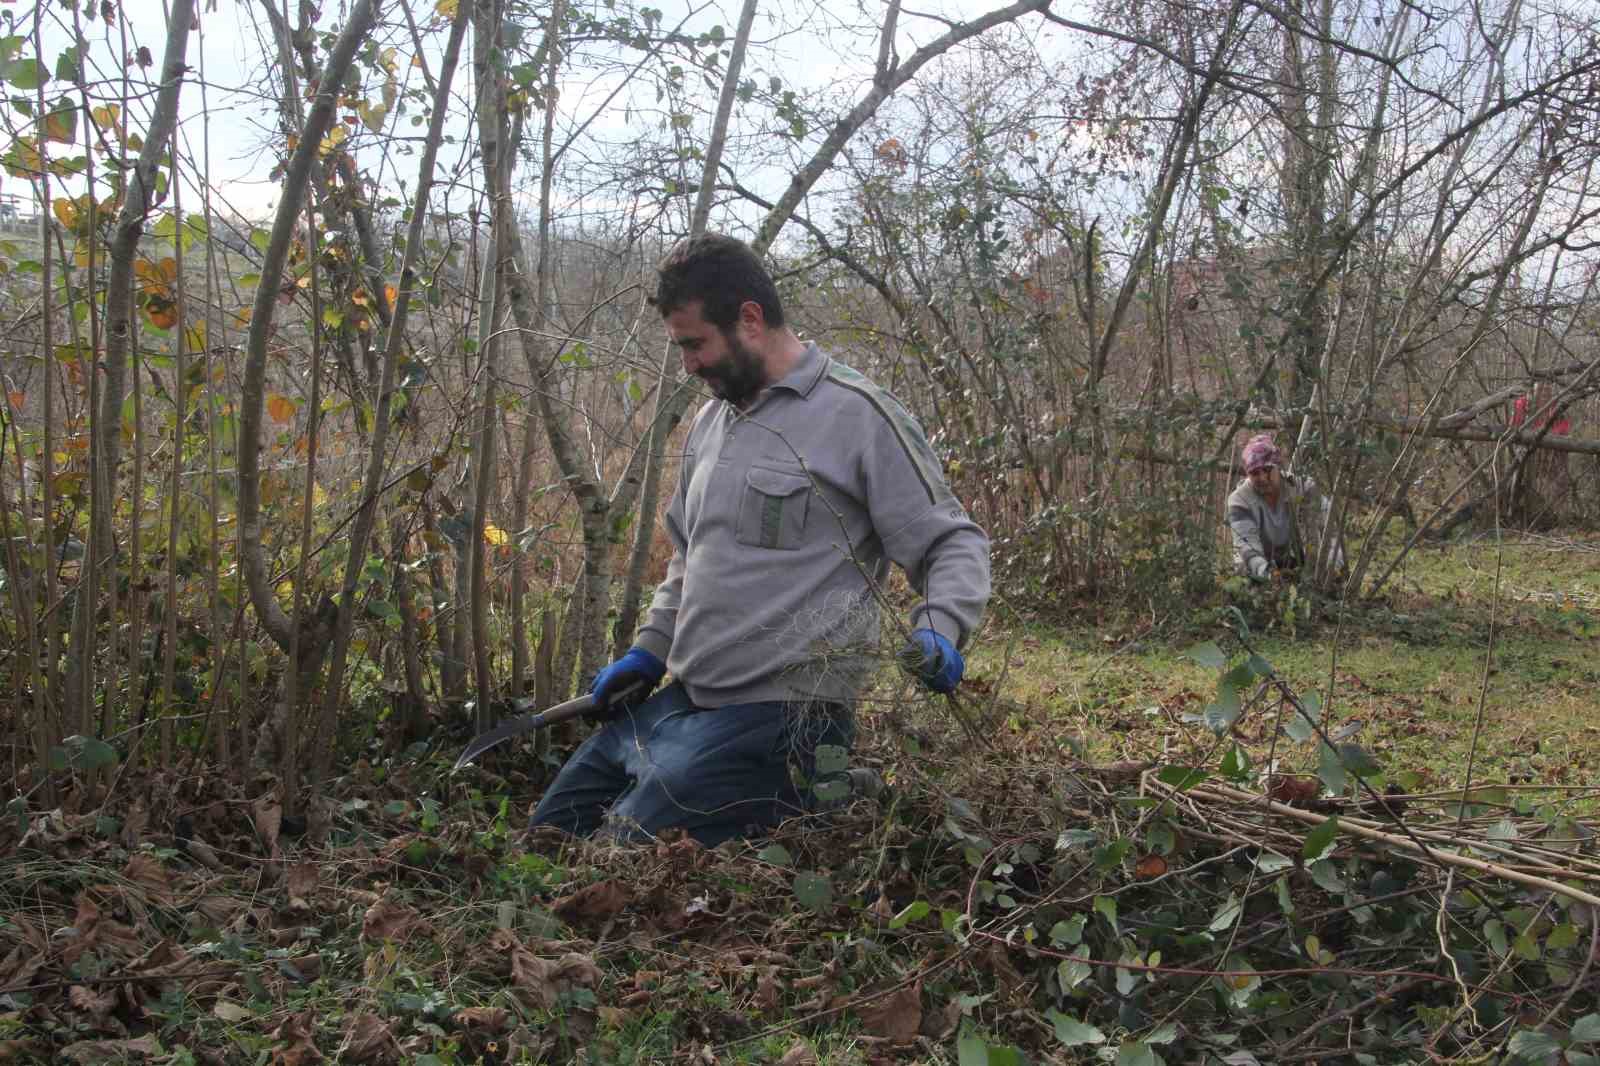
(227, 114)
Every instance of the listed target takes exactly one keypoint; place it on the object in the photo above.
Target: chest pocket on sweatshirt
(772, 508)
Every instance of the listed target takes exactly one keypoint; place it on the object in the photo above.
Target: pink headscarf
(1260, 451)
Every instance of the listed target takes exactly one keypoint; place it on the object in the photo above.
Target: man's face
(734, 371)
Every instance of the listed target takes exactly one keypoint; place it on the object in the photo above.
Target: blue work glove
(638, 670)
(932, 660)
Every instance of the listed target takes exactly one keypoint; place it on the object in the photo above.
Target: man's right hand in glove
(1259, 568)
(625, 683)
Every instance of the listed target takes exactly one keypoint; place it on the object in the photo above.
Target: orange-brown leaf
(596, 902)
(386, 920)
(281, 408)
(367, 1038)
(162, 313)
(1151, 865)
(897, 1016)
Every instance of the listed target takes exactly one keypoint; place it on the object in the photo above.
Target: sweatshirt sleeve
(923, 527)
(1246, 532)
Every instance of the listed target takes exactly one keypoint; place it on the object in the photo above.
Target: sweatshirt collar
(806, 373)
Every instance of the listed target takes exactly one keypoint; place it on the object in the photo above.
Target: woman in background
(1265, 513)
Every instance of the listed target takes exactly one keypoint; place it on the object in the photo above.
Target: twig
(1367, 1004)
(1407, 843)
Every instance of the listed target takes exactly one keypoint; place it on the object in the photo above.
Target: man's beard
(738, 376)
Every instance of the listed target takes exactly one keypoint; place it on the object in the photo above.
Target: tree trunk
(137, 202)
(378, 442)
(300, 674)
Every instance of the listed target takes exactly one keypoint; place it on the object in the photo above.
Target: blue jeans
(716, 773)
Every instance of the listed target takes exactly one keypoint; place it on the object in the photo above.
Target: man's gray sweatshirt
(785, 518)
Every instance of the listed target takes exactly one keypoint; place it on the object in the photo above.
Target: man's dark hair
(722, 273)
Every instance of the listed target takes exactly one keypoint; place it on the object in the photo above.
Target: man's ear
(752, 319)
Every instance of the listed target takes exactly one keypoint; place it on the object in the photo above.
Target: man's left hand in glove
(932, 660)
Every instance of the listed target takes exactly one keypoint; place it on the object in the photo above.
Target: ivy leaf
(1208, 654)
(1319, 842)
(1071, 1032)
(1072, 973)
(1181, 778)
(831, 759)
(1236, 764)
(1331, 770)
(1226, 914)
(1326, 876)
(1106, 907)
(1358, 761)
(1138, 1053)
(776, 854)
(813, 890)
(1068, 933)
(1535, 1047)
(1298, 727)
(1586, 1030)
(914, 910)
(971, 1050)
(88, 753)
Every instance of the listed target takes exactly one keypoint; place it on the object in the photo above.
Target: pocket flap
(770, 482)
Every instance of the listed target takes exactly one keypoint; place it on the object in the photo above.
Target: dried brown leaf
(97, 932)
(769, 993)
(19, 1051)
(269, 821)
(296, 1035)
(488, 1019)
(146, 871)
(134, 825)
(387, 920)
(367, 1038)
(105, 1052)
(896, 1016)
(301, 883)
(95, 1004)
(202, 853)
(596, 902)
(305, 969)
(545, 979)
(939, 1024)
(21, 965)
(799, 1054)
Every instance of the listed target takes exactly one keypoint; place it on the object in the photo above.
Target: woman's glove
(932, 660)
(1258, 568)
(631, 677)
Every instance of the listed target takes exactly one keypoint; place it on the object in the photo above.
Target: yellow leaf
(372, 115)
(80, 254)
(332, 141)
(23, 160)
(391, 294)
(281, 408)
(105, 116)
(242, 316)
(66, 211)
(446, 8)
(194, 337)
(493, 534)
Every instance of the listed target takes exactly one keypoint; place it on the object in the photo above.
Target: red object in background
(1519, 414)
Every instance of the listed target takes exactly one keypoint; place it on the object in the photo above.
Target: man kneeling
(801, 482)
